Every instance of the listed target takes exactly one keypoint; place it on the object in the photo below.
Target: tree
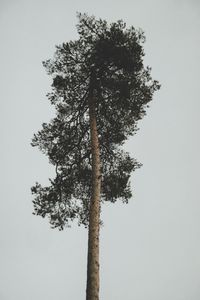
(100, 91)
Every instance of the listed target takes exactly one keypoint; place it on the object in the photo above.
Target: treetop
(105, 64)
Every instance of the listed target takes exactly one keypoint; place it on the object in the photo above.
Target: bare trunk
(92, 290)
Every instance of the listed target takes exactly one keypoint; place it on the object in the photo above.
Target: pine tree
(100, 90)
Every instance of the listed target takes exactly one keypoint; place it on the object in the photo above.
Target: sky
(150, 247)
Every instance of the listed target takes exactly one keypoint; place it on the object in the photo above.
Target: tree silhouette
(100, 91)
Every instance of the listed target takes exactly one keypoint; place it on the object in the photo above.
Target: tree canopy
(107, 62)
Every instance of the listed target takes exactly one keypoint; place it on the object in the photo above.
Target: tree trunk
(92, 290)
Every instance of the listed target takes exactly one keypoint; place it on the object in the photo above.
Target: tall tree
(100, 91)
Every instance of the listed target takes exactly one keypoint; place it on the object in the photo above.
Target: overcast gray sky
(150, 247)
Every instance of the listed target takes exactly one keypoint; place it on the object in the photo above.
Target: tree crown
(105, 63)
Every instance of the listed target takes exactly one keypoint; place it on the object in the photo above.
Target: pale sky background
(150, 247)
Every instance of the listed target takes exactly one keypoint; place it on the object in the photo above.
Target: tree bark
(92, 289)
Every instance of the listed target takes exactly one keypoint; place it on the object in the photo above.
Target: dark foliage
(107, 59)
